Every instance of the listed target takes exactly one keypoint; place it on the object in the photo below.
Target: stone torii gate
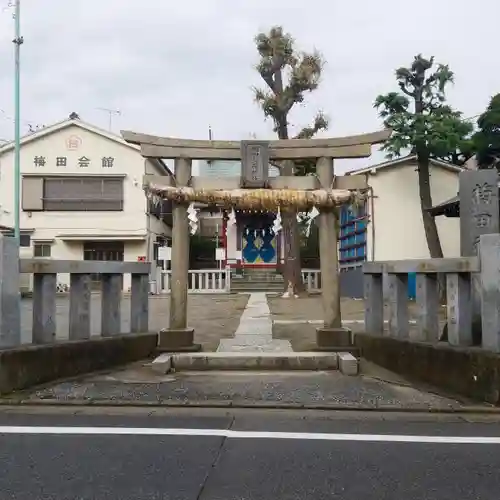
(254, 189)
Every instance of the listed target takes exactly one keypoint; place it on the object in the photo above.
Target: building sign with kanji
(479, 208)
(80, 162)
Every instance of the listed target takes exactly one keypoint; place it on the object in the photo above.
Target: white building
(82, 196)
(393, 218)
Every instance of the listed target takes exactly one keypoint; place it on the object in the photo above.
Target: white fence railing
(219, 281)
(199, 281)
(312, 279)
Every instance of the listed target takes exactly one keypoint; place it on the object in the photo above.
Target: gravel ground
(310, 308)
(139, 384)
(303, 335)
(212, 316)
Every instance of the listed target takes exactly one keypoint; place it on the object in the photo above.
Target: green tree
(487, 138)
(289, 75)
(423, 124)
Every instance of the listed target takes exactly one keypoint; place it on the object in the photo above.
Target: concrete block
(254, 344)
(348, 364)
(332, 338)
(262, 361)
(177, 340)
(162, 364)
(10, 313)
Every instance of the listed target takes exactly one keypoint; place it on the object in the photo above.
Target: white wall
(130, 225)
(231, 238)
(397, 218)
(128, 163)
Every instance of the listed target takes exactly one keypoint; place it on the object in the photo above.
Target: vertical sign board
(255, 163)
(479, 208)
(479, 214)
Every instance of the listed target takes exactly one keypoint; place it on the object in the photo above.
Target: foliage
(421, 120)
(424, 125)
(289, 75)
(487, 138)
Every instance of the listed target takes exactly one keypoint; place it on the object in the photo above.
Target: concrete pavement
(40, 460)
(137, 384)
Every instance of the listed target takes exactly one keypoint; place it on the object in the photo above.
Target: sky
(174, 68)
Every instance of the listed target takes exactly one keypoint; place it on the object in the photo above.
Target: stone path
(255, 331)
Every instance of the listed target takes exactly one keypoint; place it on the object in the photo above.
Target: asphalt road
(241, 456)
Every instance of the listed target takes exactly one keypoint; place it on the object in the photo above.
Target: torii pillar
(178, 337)
(331, 336)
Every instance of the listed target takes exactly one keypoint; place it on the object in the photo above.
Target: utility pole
(111, 113)
(18, 41)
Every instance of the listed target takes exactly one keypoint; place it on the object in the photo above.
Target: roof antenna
(111, 113)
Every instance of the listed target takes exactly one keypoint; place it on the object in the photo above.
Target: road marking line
(232, 434)
(320, 321)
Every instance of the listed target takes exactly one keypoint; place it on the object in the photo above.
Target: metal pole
(18, 40)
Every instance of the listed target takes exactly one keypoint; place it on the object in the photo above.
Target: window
(86, 194)
(42, 250)
(24, 240)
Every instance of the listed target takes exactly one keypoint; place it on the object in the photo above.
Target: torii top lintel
(354, 146)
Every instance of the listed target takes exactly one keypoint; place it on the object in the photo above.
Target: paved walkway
(255, 331)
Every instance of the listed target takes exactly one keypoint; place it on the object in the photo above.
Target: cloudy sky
(175, 67)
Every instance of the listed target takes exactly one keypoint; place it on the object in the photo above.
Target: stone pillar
(479, 214)
(331, 337)
(489, 253)
(10, 314)
(178, 337)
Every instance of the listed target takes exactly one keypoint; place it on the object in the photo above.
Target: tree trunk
(430, 228)
(293, 267)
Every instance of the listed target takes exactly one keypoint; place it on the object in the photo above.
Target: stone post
(178, 337)
(489, 254)
(10, 314)
(331, 337)
(479, 214)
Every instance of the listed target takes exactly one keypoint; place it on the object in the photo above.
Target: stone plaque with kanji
(255, 163)
(479, 208)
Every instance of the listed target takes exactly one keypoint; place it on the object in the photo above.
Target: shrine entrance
(256, 193)
(259, 243)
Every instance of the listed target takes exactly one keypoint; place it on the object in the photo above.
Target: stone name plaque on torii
(255, 163)
(479, 208)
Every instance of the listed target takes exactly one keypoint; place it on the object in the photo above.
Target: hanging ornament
(193, 218)
(232, 218)
(277, 222)
(310, 217)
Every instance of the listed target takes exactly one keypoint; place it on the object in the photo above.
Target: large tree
(487, 138)
(423, 124)
(288, 75)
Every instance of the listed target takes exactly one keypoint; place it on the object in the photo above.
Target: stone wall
(27, 366)
(467, 371)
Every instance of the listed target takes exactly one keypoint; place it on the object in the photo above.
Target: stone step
(272, 278)
(262, 361)
(257, 288)
(257, 283)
